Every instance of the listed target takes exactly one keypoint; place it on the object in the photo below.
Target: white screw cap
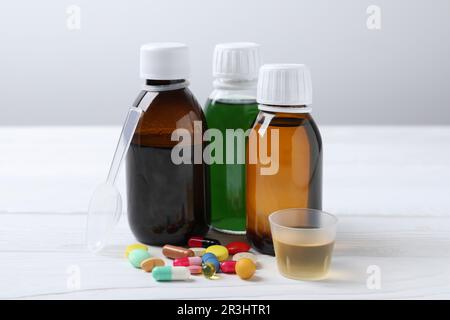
(236, 61)
(284, 85)
(164, 61)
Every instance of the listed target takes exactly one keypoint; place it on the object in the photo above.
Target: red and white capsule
(187, 261)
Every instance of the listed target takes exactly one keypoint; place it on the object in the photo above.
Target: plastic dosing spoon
(105, 206)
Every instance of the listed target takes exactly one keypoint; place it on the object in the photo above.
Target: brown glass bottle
(298, 180)
(167, 202)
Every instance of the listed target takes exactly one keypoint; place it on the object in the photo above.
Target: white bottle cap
(164, 61)
(236, 61)
(284, 85)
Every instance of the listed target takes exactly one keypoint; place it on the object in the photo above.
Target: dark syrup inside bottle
(167, 202)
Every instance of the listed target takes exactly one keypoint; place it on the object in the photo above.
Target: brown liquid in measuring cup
(306, 262)
(167, 203)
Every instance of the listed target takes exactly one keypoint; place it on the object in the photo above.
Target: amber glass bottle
(286, 133)
(167, 202)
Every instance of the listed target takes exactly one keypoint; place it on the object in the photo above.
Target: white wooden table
(390, 188)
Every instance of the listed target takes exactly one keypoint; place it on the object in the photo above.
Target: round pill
(136, 256)
(198, 252)
(220, 252)
(228, 266)
(148, 264)
(208, 270)
(133, 246)
(247, 255)
(195, 269)
(245, 268)
(237, 246)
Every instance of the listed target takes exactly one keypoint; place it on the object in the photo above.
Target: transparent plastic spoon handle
(134, 114)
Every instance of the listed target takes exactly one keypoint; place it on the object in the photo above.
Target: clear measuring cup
(303, 240)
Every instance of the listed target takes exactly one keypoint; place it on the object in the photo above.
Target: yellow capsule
(133, 246)
(220, 252)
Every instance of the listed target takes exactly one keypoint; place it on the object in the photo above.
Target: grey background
(397, 75)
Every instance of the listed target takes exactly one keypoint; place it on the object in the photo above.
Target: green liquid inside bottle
(227, 181)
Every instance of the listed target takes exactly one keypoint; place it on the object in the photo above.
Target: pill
(248, 255)
(219, 251)
(237, 246)
(228, 266)
(187, 261)
(148, 264)
(168, 273)
(198, 252)
(245, 268)
(209, 270)
(199, 242)
(136, 256)
(195, 269)
(211, 258)
(214, 262)
(133, 246)
(208, 255)
(174, 252)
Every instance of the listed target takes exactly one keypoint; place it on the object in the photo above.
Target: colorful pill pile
(205, 256)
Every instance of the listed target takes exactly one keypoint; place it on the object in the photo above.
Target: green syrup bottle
(232, 105)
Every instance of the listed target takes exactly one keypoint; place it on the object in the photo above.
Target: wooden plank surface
(41, 254)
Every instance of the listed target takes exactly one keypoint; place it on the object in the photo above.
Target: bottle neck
(229, 84)
(164, 85)
(285, 109)
(233, 91)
